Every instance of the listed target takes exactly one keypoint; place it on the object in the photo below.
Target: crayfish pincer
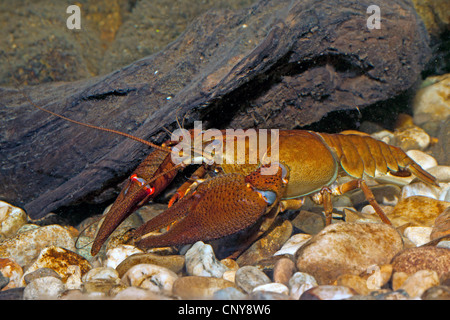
(228, 196)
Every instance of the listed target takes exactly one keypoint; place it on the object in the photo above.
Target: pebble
(423, 159)
(354, 282)
(64, 262)
(445, 193)
(201, 261)
(195, 287)
(230, 293)
(133, 293)
(26, 246)
(416, 284)
(386, 194)
(102, 273)
(3, 281)
(44, 288)
(418, 210)
(418, 235)
(377, 276)
(171, 262)
(40, 273)
(441, 173)
(293, 244)
(409, 138)
(422, 258)
(420, 189)
(348, 248)
(441, 226)
(249, 277)
(272, 287)
(436, 293)
(11, 219)
(309, 222)
(328, 292)
(267, 245)
(115, 256)
(283, 270)
(398, 278)
(301, 282)
(12, 271)
(152, 277)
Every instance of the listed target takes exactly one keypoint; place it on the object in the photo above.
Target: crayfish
(227, 196)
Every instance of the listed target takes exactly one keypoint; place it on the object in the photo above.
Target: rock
(11, 219)
(418, 210)
(431, 104)
(12, 294)
(301, 282)
(272, 287)
(441, 173)
(398, 278)
(249, 277)
(116, 255)
(151, 277)
(230, 293)
(12, 271)
(133, 293)
(309, 222)
(24, 247)
(436, 293)
(327, 292)
(73, 282)
(102, 273)
(441, 225)
(229, 275)
(195, 287)
(410, 138)
(385, 194)
(44, 288)
(283, 270)
(440, 149)
(393, 295)
(201, 261)
(40, 273)
(3, 281)
(100, 287)
(267, 295)
(354, 282)
(267, 245)
(347, 248)
(418, 235)
(422, 258)
(171, 262)
(423, 159)
(420, 189)
(416, 284)
(445, 193)
(63, 261)
(293, 244)
(443, 244)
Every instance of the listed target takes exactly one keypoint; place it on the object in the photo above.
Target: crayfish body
(241, 194)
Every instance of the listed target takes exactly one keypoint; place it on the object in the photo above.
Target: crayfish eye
(269, 196)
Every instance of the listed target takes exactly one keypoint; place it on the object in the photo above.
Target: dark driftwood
(277, 64)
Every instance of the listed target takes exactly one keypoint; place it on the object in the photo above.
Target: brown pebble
(283, 270)
(172, 262)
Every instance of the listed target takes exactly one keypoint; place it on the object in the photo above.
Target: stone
(422, 258)
(12, 271)
(416, 284)
(24, 247)
(133, 293)
(151, 277)
(229, 275)
(418, 235)
(61, 260)
(40, 273)
(441, 173)
(409, 138)
(301, 282)
(44, 288)
(249, 277)
(354, 282)
(436, 293)
(377, 276)
(293, 244)
(420, 189)
(445, 193)
(398, 278)
(230, 293)
(116, 255)
(11, 219)
(283, 270)
(3, 281)
(195, 287)
(418, 210)
(102, 273)
(347, 248)
(422, 159)
(267, 295)
(272, 287)
(99, 287)
(385, 194)
(73, 281)
(309, 222)
(201, 261)
(393, 295)
(441, 226)
(267, 245)
(171, 262)
(328, 292)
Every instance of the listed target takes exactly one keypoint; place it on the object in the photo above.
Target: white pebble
(445, 193)
(420, 189)
(44, 288)
(102, 273)
(201, 261)
(442, 173)
(11, 219)
(116, 255)
(152, 277)
(293, 244)
(418, 235)
(272, 287)
(300, 282)
(423, 159)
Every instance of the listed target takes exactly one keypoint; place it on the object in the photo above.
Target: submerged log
(277, 64)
